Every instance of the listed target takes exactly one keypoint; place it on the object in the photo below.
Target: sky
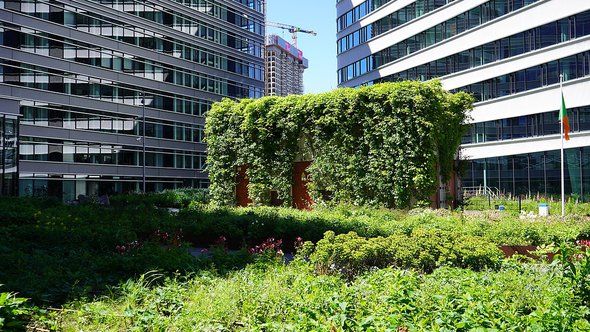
(320, 50)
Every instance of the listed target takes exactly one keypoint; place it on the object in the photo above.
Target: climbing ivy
(382, 145)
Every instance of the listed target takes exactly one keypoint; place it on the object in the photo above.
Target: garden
(137, 266)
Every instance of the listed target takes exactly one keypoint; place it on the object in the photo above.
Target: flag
(564, 119)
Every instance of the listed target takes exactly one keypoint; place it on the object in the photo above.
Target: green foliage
(377, 145)
(293, 298)
(52, 253)
(528, 205)
(425, 250)
(574, 259)
(252, 225)
(13, 312)
(177, 198)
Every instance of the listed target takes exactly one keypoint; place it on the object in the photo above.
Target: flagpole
(562, 168)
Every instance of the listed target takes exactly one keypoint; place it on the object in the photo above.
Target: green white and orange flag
(564, 119)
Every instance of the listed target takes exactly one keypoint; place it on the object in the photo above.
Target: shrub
(177, 198)
(424, 250)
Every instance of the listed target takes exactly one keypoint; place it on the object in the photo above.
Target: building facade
(111, 94)
(510, 54)
(284, 68)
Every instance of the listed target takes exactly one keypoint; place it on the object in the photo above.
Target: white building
(510, 55)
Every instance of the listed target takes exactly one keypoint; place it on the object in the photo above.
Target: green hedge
(381, 145)
(255, 224)
(424, 250)
(177, 198)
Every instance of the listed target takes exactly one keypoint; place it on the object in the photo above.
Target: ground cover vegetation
(528, 203)
(381, 145)
(84, 268)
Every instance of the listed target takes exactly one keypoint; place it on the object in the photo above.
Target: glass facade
(91, 75)
(533, 173)
(358, 12)
(454, 26)
(388, 23)
(528, 41)
(534, 125)
(571, 67)
(9, 150)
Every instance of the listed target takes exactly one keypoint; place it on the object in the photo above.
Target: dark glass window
(505, 172)
(504, 85)
(537, 173)
(533, 77)
(521, 174)
(550, 123)
(519, 81)
(568, 67)
(517, 44)
(549, 35)
(584, 120)
(583, 24)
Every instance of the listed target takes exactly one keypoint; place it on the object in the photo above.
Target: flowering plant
(574, 260)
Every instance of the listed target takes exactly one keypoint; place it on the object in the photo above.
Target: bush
(177, 198)
(424, 250)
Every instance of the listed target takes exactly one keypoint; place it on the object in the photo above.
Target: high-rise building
(510, 54)
(284, 67)
(111, 94)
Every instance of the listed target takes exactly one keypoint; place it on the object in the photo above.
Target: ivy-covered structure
(383, 145)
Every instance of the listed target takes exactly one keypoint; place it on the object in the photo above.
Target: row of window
(533, 173)
(105, 154)
(257, 5)
(358, 12)
(51, 45)
(546, 35)
(452, 27)
(80, 85)
(161, 15)
(75, 118)
(571, 67)
(124, 32)
(540, 124)
(151, 11)
(69, 187)
(389, 22)
(97, 24)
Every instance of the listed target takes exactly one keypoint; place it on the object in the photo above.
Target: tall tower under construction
(284, 67)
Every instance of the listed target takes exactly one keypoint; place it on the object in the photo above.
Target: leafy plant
(574, 259)
(291, 297)
(13, 312)
(382, 145)
(425, 250)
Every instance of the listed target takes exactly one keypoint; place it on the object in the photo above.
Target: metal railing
(490, 192)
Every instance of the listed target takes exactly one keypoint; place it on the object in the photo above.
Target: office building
(510, 54)
(284, 68)
(111, 94)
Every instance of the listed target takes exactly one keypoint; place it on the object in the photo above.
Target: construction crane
(292, 29)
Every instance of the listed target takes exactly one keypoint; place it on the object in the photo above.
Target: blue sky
(316, 15)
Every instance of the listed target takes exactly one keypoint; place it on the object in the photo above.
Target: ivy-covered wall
(380, 145)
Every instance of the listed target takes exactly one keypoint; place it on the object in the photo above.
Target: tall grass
(291, 298)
